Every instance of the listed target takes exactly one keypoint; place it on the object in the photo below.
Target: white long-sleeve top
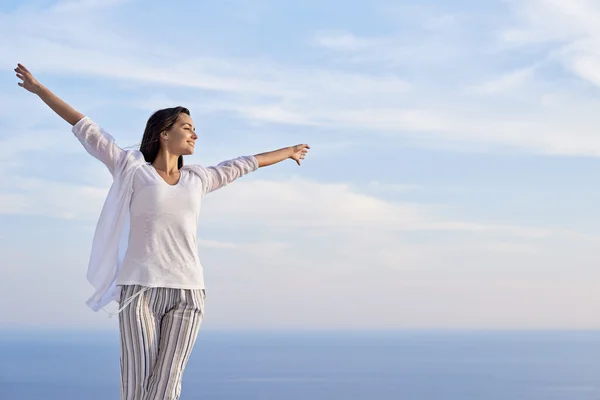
(162, 238)
(146, 232)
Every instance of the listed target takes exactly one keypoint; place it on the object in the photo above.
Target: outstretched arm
(61, 108)
(296, 153)
(94, 139)
(226, 172)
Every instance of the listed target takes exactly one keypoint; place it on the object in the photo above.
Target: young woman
(153, 203)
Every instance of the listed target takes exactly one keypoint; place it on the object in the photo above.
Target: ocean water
(319, 366)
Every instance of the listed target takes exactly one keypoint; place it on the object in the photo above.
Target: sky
(451, 182)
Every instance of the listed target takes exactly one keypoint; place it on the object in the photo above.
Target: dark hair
(160, 121)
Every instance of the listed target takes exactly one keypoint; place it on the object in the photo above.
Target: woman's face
(181, 138)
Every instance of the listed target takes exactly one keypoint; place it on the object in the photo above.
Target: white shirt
(106, 261)
(162, 249)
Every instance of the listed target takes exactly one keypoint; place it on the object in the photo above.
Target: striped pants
(158, 331)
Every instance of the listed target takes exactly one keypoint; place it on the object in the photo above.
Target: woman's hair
(160, 121)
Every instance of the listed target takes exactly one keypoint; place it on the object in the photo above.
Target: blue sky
(451, 182)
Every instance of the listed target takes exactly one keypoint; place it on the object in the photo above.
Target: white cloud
(295, 204)
(441, 284)
(550, 21)
(391, 187)
(525, 108)
(217, 244)
(379, 102)
(342, 41)
(35, 197)
(509, 82)
(568, 28)
(312, 254)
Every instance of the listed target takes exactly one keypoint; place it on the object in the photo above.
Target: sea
(419, 365)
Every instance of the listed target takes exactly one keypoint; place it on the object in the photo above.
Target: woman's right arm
(95, 140)
(61, 108)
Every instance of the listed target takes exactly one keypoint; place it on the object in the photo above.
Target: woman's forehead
(185, 119)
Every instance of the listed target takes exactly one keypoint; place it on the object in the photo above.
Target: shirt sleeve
(215, 177)
(98, 143)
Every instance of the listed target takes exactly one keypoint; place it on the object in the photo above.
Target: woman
(153, 202)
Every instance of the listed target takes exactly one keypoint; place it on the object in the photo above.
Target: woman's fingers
(22, 70)
(22, 67)
(302, 147)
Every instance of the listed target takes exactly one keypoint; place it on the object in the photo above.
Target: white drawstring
(126, 302)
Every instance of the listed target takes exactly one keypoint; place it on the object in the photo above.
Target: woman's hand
(29, 82)
(296, 153)
(299, 152)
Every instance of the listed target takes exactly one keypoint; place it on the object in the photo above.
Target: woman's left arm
(296, 153)
(216, 177)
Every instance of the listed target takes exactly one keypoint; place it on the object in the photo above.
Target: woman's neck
(166, 162)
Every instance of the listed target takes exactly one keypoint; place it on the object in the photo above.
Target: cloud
(217, 244)
(556, 22)
(303, 251)
(34, 197)
(520, 110)
(420, 99)
(330, 209)
(277, 205)
(506, 83)
(330, 240)
(110, 53)
(383, 187)
(448, 283)
(342, 41)
(567, 29)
